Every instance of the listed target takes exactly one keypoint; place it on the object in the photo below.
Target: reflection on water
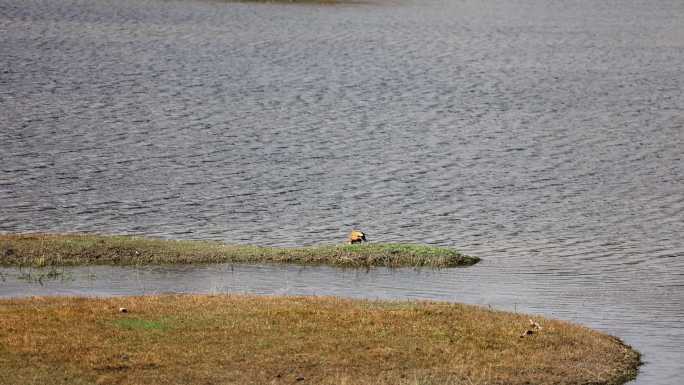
(39, 276)
(544, 136)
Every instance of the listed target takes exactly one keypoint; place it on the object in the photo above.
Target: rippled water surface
(544, 136)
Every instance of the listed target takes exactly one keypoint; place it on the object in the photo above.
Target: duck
(356, 236)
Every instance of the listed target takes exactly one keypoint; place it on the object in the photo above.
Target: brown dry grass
(306, 340)
(80, 249)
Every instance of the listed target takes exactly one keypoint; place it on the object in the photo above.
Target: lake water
(544, 136)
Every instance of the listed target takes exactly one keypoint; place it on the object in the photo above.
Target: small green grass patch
(142, 324)
(89, 249)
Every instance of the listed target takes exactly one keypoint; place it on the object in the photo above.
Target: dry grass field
(294, 340)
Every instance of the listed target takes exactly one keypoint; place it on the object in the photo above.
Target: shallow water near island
(543, 136)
